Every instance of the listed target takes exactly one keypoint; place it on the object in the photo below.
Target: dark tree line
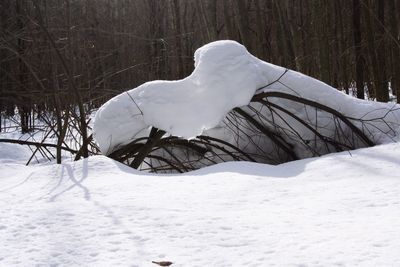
(66, 56)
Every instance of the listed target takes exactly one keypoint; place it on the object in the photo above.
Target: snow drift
(337, 210)
(227, 76)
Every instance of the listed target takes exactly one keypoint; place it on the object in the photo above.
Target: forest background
(76, 54)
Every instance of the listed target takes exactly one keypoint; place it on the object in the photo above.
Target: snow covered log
(235, 106)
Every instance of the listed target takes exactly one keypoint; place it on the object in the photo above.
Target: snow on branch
(235, 106)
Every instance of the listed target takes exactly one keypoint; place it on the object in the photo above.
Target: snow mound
(225, 76)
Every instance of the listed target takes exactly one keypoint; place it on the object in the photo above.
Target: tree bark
(395, 47)
(242, 21)
(357, 49)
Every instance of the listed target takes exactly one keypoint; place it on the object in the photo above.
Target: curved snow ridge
(226, 76)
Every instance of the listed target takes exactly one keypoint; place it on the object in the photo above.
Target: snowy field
(337, 210)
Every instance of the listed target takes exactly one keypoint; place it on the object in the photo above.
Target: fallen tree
(237, 107)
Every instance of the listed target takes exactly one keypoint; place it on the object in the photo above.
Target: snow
(338, 210)
(226, 76)
(341, 209)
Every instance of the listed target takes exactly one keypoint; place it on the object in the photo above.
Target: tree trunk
(241, 15)
(357, 49)
(395, 48)
(179, 50)
(382, 86)
(319, 17)
(230, 32)
(23, 107)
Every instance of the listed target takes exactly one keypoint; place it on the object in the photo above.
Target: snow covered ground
(337, 210)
